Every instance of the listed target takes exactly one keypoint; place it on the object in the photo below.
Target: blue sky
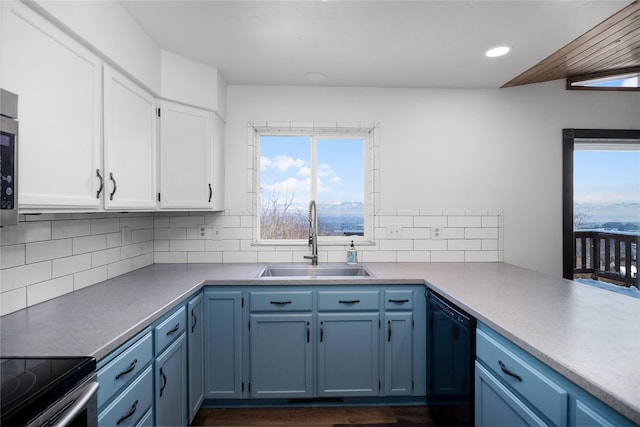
(606, 176)
(285, 165)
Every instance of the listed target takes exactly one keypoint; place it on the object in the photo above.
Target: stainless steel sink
(314, 271)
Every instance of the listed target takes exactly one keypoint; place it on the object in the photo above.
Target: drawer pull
(399, 301)
(308, 332)
(174, 329)
(195, 321)
(164, 381)
(129, 369)
(321, 331)
(389, 328)
(509, 372)
(349, 301)
(280, 302)
(132, 411)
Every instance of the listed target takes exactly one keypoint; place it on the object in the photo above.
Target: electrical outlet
(394, 231)
(125, 235)
(436, 233)
(216, 232)
(204, 232)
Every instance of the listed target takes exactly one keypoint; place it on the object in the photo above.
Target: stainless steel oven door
(79, 407)
(8, 171)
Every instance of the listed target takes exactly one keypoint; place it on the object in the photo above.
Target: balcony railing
(607, 255)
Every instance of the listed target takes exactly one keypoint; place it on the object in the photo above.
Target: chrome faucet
(313, 232)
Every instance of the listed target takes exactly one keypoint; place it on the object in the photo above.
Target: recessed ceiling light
(315, 77)
(497, 51)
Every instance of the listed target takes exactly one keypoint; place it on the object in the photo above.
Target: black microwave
(8, 158)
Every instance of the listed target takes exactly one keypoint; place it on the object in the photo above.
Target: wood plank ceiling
(612, 45)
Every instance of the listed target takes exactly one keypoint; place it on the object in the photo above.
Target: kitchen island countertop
(589, 335)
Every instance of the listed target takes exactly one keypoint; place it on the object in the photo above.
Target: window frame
(571, 82)
(365, 133)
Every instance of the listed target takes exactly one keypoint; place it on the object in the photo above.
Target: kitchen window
(295, 166)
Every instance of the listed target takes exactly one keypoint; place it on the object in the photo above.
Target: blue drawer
(170, 329)
(348, 300)
(132, 405)
(398, 300)
(115, 375)
(520, 375)
(281, 301)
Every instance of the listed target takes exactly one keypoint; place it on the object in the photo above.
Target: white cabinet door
(130, 138)
(218, 164)
(186, 157)
(59, 83)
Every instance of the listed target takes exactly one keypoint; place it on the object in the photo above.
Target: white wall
(450, 148)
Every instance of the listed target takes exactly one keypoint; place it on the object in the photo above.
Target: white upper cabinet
(130, 141)
(59, 84)
(186, 158)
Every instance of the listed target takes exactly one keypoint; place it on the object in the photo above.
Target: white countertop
(589, 335)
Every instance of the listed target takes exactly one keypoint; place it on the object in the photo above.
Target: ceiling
(368, 43)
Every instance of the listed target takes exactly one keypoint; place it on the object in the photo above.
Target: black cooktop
(31, 384)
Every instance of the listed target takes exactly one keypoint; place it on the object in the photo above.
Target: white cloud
(265, 163)
(284, 162)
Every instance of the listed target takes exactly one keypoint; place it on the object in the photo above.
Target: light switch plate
(125, 235)
(216, 232)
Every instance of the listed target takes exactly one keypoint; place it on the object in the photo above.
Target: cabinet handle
(129, 369)
(280, 302)
(164, 381)
(308, 332)
(399, 301)
(128, 414)
(321, 331)
(389, 329)
(101, 183)
(210, 192)
(349, 301)
(195, 320)
(115, 186)
(509, 372)
(174, 329)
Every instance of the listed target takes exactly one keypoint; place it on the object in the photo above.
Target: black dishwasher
(450, 357)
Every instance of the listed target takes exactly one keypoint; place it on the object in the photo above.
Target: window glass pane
(285, 186)
(340, 187)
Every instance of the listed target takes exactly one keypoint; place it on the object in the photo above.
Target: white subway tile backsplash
(24, 275)
(170, 233)
(186, 221)
(161, 221)
(430, 221)
(13, 300)
(240, 257)
(453, 233)
(70, 265)
(104, 257)
(44, 291)
(25, 232)
(431, 212)
(114, 240)
(490, 221)
(464, 221)
(464, 245)
(481, 233)
(161, 246)
(48, 249)
(169, 257)
(275, 257)
(430, 245)
(141, 261)
(119, 268)
(73, 228)
(103, 225)
(130, 251)
(396, 245)
(447, 256)
(12, 256)
(414, 256)
(85, 278)
(206, 257)
(481, 256)
(186, 245)
(89, 243)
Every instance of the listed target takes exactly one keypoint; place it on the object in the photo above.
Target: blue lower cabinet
(348, 354)
(496, 405)
(147, 419)
(170, 370)
(195, 344)
(398, 353)
(130, 406)
(281, 356)
(223, 344)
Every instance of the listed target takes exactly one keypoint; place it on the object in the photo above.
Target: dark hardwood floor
(373, 416)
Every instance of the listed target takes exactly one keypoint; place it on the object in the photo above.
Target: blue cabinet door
(171, 384)
(281, 356)
(223, 344)
(496, 405)
(348, 354)
(398, 354)
(195, 343)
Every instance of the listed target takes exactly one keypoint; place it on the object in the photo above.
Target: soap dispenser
(352, 255)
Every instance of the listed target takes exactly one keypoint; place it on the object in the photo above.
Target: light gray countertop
(589, 335)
